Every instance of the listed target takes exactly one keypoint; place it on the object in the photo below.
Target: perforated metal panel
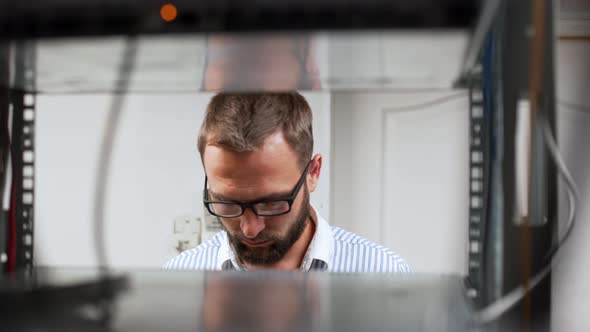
(24, 138)
(478, 186)
(23, 145)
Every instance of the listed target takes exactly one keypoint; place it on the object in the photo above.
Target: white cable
(427, 104)
(573, 193)
(503, 304)
(8, 170)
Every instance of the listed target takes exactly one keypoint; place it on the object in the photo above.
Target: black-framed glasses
(264, 208)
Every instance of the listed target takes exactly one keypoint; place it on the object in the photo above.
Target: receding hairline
(233, 124)
(277, 134)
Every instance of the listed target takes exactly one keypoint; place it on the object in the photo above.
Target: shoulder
(353, 253)
(202, 257)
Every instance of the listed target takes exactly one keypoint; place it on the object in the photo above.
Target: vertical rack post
(4, 153)
(17, 98)
(24, 114)
(479, 124)
(509, 251)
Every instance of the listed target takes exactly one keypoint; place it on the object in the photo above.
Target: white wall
(393, 59)
(400, 177)
(570, 286)
(156, 175)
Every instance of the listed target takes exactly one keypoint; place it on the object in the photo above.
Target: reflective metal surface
(252, 62)
(268, 301)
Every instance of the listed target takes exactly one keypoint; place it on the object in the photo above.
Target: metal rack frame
(517, 250)
(21, 22)
(142, 19)
(20, 59)
(479, 124)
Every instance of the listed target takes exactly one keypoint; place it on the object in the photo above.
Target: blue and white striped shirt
(332, 249)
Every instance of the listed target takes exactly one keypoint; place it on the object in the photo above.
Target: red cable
(11, 259)
(11, 262)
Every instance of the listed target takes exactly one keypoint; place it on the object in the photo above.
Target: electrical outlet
(186, 232)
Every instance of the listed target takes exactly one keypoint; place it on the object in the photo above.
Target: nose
(251, 224)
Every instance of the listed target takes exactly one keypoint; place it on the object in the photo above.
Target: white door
(400, 174)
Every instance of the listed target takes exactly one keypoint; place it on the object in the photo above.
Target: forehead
(247, 175)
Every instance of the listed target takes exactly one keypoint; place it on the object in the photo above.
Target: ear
(313, 174)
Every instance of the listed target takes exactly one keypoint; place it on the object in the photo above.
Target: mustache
(259, 238)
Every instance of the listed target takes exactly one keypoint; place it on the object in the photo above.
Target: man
(256, 150)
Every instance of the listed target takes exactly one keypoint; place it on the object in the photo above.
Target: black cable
(106, 150)
(103, 170)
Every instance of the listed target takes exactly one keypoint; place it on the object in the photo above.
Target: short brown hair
(241, 122)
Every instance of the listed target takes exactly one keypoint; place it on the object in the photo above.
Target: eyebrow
(273, 196)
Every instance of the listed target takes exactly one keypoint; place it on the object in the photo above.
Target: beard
(280, 245)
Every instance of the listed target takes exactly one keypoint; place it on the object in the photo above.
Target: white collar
(320, 248)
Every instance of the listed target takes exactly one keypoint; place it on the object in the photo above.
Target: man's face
(270, 172)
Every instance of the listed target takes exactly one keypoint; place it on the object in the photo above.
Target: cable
(11, 248)
(106, 150)
(573, 193)
(535, 85)
(488, 13)
(573, 106)
(503, 304)
(11, 262)
(6, 184)
(430, 103)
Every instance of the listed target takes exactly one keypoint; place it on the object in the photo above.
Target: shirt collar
(225, 254)
(320, 248)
